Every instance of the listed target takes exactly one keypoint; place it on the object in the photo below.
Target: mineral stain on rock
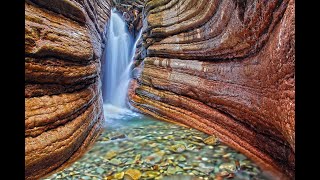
(225, 68)
(63, 100)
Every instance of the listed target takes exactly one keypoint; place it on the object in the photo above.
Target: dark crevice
(62, 58)
(36, 89)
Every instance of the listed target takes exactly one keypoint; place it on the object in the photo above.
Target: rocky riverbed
(134, 146)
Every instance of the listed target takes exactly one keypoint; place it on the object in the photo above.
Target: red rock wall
(226, 68)
(63, 46)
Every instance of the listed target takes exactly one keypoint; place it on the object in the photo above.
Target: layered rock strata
(64, 41)
(225, 68)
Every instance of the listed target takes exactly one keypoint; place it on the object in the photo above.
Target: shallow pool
(134, 146)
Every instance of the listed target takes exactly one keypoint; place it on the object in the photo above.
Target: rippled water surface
(136, 146)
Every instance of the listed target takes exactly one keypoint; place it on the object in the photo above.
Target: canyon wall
(225, 67)
(64, 41)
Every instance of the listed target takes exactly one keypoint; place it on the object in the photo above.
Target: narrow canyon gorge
(223, 67)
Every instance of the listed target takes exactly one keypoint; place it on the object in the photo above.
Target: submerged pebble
(121, 136)
(158, 150)
(151, 174)
(178, 148)
(111, 154)
(132, 174)
(211, 140)
(230, 167)
(119, 175)
(115, 161)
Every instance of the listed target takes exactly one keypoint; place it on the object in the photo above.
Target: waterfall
(120, 51)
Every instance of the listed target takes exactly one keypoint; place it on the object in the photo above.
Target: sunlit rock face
(225, 68)
(63, 46)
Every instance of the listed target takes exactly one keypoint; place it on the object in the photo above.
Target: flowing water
(136, 146)
(120, 51)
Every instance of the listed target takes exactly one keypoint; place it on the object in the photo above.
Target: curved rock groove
(221, 66)
(229, 72)
(63, 115)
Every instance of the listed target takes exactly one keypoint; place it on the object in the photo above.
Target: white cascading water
(119, 57)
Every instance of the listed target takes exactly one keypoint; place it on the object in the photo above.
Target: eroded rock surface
(64, 40)
(225, 68)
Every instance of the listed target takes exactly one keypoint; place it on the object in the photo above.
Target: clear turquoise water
(134, 141)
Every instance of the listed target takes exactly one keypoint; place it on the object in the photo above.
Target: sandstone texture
(225, 68)
(64, 41)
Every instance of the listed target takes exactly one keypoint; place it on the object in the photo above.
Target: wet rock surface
(63, 114)
(131, 11)
(225, 68)
(146, 153)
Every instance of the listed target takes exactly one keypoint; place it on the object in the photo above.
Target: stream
(135, 146)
